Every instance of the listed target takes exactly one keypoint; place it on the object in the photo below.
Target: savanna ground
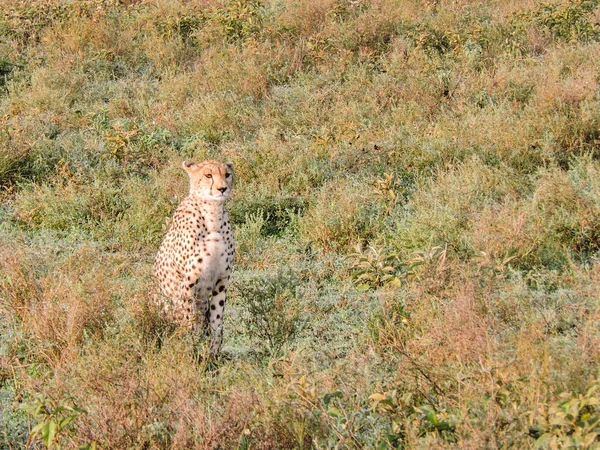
(417, 212)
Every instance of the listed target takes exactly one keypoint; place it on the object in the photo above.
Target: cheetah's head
(210, 180)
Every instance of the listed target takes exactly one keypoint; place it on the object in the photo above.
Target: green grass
(416, 211)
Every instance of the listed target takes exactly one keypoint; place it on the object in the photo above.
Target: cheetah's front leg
(203, 312)
(215, 317)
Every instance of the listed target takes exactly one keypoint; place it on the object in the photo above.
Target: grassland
(417, 213)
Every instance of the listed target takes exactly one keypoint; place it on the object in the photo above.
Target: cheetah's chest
(216, 251)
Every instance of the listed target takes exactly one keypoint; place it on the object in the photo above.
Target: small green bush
(572, 421)
(277, 212)
(182, 26)
(402, 409)
(239, 19)
(6, 68)
(53, 419)
(10, 166)
(372, 268)
(271, 309)
(571, 21)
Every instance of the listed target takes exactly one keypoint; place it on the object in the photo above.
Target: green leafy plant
(573, 421)
(53, 418)
(569, 21)
(183, 26)
(401, 408)
(240, 19)
(372, 268)
(345, 9)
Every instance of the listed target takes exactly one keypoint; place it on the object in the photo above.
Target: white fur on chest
(216, 254)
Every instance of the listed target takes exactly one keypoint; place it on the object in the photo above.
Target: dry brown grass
(483, 119)
(57, 310)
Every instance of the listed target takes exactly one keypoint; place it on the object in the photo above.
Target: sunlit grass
(416, 185)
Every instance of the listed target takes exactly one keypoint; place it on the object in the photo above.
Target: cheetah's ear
(229, 164)
(187, 165)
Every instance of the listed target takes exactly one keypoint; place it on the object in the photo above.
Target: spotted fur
(193, 264)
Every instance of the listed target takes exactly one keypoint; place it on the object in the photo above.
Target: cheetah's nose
(223, 189)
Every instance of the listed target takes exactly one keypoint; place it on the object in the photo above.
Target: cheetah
(193, 264)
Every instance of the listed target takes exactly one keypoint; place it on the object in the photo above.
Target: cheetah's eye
(228, 174)
(208, 175)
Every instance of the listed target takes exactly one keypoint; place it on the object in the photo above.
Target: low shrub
(149, 205)
(342, 215)
(14, 426)
(443, 212)
(569, 22)
(6, 68)
(53, 420)
(276, 212)
(69, 206)
(271, 310)
(548, 229)
(373, 268)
